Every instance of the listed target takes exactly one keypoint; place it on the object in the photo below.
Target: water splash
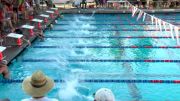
(93, 13)
(67, 93)
(79, 71)
(73, 91)
(61, 61)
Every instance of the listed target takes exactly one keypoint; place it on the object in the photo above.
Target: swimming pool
(103, 47)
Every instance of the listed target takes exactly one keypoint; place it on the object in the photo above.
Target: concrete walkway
(14, 50)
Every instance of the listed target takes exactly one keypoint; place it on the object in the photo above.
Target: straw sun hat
(38, 84)
(104, 94)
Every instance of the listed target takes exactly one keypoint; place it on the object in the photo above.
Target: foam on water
(73, 91)
(68, 92)
(79, 70)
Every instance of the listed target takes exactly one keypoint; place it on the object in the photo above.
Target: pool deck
(12, 51)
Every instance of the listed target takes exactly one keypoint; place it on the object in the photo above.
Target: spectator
(30, 2)
(15, 11)
(23, 6)
(9, 9)
(1, 33)
(104, 94)
(101, 3)
(77, 3)
(148, 4)
(5, 18)
(1, 14)
(83, 4)
(37, 2)
(37, 86)
(143, 3)
(134, 2)
(139, 3)
(104, 2)
(49, 4)
(4, 69)
(97, 3)
(29, 9)
(5, 100)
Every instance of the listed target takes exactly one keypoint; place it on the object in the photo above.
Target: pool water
(100, 37)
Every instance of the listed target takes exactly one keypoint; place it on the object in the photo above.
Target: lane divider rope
(112, 24)
(107, 30)
(102, 60)
(105, 81)
(121, 47)
(112, 37)
(123, 19)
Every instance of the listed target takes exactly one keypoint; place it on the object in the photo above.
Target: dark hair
(5, 100)
(8, 4)
(18, 31)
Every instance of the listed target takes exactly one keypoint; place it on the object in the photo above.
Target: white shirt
(40, 99)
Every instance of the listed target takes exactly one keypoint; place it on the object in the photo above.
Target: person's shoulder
(26, 100)
(51, 99)
(54, 99)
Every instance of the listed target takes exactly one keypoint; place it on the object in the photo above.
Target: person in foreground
(4, 69)
(37, 86)
(104, 94)
(5, 100)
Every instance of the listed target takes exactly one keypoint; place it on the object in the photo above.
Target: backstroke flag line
(160, 22)
(144, 16)
(171, 31)
(140, 14)
(174, 30)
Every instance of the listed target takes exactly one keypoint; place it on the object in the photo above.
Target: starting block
(54, 8)
(2, 49)
(14, 39)
(50, 12)
(27, 26)
(44, 15)
(30, 28)
(38, 21)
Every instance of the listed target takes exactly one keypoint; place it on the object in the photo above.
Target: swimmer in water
(28, 41)
(19, 31)
(116, 33)
(4, 69)
(40, 35)
(61, 16)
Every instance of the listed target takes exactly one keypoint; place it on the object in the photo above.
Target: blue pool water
(70, 39)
